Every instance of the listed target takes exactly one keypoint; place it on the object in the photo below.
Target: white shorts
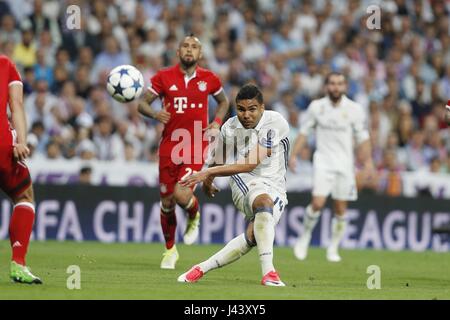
(244, 192)
(341, 186)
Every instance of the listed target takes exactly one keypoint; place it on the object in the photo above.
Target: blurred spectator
(153, 45)
(435, 165)
(39, 22)
(42, 71)
(130, 154)
(312, 80)
(85, 176)
(4, 9)
(390, 176)
(109, 58)
(108, 143)
(82, 81)
(38, 130)
(415, 155)
(25, 52)
(86, 150)
(48, 46)
(53, 150)
(8, 31)
(32, 142)
(28, 80)
(253, 48)
(39, 104)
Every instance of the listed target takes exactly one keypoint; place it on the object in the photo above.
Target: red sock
(193, 209)
(169, 225)
(20, 229)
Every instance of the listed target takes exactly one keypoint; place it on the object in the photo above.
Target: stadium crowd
(400, 72)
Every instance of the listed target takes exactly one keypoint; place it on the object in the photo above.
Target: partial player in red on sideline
(15, 178)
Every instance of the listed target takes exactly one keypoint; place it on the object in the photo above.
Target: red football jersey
(187, 101)
(8, 76)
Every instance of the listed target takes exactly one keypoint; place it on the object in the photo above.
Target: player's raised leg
(169, 226)
(186, 199)
(20, 229)
(338, 226)
(264, 231)
(310, 220)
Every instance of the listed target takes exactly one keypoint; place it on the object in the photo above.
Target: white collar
(187, 78)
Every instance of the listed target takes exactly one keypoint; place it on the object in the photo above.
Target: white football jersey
(336, 128)
(271, 132)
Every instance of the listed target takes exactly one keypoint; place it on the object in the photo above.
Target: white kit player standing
(339, 124)
(258, 181)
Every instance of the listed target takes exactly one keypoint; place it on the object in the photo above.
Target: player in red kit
(15, 178)
(184, 90)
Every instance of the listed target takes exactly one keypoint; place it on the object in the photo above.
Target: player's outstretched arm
(247, 164)
(299, 143)
(21, 151)
(146, 109)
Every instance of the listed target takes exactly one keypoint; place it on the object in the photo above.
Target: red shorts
(170, 174)
(14, 176)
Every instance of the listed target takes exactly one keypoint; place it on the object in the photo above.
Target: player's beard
(187, 64)
(335, 97)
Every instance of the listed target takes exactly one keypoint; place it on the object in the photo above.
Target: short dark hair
(334, 73)
(248, 92)
(85, 170)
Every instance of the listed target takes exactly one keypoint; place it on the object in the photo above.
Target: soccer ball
(125, 83)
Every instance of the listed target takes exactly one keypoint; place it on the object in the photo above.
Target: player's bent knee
(262, 201)
(26, 196)
(167, 204)
(182, 197)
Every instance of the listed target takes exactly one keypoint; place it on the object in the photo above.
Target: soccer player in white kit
(339, 124)
(258, 181)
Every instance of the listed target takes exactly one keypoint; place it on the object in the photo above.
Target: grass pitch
(131, 271)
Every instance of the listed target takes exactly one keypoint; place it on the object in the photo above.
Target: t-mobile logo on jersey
(180, 103)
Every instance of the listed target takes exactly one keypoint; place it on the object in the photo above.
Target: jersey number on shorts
(189, 171)
(280, 203)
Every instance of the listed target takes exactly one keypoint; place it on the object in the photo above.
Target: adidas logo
(17, 244)
(173, 88)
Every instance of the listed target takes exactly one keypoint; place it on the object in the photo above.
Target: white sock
(232, 251)
(309, 221)
(264, 229)
(338, 225)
